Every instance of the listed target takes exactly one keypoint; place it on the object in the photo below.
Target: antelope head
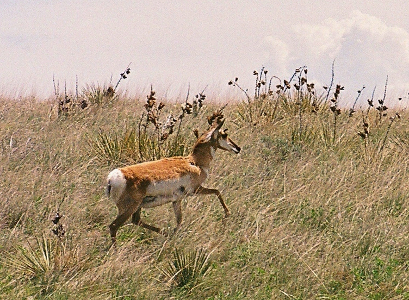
(219, 138)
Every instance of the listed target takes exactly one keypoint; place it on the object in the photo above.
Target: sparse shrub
(293, 99)
(151, 138)
(154, 133)
(374, 144)
(92, 94)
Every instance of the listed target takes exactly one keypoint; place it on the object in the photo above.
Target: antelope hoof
(227, 214)
(176, 230)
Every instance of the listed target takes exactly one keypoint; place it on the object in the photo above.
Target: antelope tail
(108, 189)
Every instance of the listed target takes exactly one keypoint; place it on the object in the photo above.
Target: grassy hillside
(318, 210)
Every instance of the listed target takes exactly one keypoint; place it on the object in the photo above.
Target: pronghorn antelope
(155, 183)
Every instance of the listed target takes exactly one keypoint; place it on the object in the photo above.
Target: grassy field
(319, 201)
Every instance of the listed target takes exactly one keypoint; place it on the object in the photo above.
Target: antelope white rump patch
(116, 184)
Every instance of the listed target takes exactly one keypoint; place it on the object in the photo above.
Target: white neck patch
(206, 171)
(212, 152)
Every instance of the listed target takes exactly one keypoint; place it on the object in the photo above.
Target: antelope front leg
(178, 213)
(205, 191)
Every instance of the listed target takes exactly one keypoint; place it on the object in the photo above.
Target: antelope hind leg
(118, 222)
(136, 219)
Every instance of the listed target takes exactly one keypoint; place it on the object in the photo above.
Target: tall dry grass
(315, 215)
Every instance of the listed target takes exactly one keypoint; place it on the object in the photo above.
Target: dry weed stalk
(123, 75)
(365, 133)
(58, 228)
(302, 80)
(391, 120)
(381, 108)
(198, 102)
(352, 109)
(164, 129)
(235, 83)
(335, 109)
(328, 88)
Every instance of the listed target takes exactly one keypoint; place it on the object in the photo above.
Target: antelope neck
(203, 154)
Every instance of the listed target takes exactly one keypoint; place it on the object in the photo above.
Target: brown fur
(164, 169)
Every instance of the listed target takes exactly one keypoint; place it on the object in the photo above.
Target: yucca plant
(33, 261)
(186, 269)
(97, 95)
(114, 148)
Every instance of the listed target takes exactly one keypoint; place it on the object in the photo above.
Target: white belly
(153, 201)
(163, 192)
(171, 187)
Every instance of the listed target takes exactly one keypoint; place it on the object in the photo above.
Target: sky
(201, 44)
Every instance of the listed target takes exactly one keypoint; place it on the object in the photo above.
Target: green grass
(312, 217)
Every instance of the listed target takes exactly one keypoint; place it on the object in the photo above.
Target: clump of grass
(93, 94)
(186, 269)
(33, 260)
(114, 148)
(42, 260)
(99, 95)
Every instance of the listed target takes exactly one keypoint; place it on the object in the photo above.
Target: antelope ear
(215, 131)
(220, 123)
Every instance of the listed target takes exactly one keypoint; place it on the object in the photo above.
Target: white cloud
(365, 50)
(277, 52)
